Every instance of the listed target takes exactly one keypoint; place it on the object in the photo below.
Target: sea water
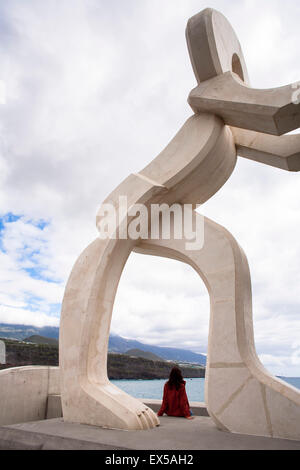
(154, 388)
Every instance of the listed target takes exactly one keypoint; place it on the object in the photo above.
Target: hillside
(19, 353)
(37, 339)
(117, 344)
(120, 366)
(144, 354)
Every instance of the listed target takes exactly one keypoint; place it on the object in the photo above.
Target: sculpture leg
(87, 395)
(240, 394)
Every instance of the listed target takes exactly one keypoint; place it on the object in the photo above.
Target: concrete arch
(240, 394)
(203, 156)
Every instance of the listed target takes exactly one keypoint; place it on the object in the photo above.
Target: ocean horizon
(153, 389)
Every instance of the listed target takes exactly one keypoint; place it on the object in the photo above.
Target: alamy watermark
(2, 353)
(158, 221)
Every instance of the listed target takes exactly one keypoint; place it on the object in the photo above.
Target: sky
(93, 90)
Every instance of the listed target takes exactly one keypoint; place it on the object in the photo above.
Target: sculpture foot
(106, 406)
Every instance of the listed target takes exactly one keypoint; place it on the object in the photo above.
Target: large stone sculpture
(229, 118)
(241, 396)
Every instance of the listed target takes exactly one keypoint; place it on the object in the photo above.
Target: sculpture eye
(237, 67)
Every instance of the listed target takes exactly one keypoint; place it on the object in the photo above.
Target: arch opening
(162, 303)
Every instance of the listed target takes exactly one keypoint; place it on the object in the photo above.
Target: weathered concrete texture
(24, 392)
(173, 434)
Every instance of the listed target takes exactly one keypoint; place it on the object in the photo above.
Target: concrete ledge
(198, 408)
(24, 391)
(54, 408)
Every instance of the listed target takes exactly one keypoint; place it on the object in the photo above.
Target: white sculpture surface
(229, 118)
(241, 395)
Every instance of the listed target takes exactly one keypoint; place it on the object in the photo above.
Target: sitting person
(175, 400)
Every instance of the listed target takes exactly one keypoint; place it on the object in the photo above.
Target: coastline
(119, 366)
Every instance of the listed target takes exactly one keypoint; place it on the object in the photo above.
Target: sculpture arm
(277, 151)
(269, 111)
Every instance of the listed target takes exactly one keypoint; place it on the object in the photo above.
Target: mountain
(19, 353)
(121, 345)
(144, 354)
(23, 331)
(119, 366)
(116, 343)
(37, 339)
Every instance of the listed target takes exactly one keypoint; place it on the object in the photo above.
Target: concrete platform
(173, 434)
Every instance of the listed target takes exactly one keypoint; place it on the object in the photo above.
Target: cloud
(94, 91)
(164, 302)
(19, 316)
(30, 292)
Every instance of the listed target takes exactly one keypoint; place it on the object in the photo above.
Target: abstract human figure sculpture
(229, 118)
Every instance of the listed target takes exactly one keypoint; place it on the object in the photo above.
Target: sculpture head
(224, 90)
(214, 47)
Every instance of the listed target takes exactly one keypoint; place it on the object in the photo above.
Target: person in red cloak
(175, 401)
